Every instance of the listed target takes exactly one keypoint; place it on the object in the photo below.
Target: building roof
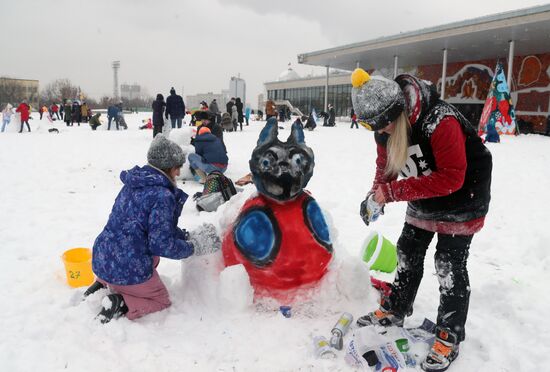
(310, 81)
(475, 39)
(288, 74)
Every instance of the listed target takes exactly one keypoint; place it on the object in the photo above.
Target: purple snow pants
(144, 298)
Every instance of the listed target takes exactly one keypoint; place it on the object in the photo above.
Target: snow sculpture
(280, 236)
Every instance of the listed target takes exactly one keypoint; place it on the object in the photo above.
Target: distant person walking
(240, 116)
(54, 108)
(158, 110)
(6, 115)
(67, 108)
(331, 116)
(270, 109)
(229, 106)
(24, 110)
(234, 117)
(353, 119)
(216, 110)
(112, 114)
(85, 112)
(247, 111)
(175, 107)
(76, 114)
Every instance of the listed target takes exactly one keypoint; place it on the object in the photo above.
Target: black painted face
(280, 170)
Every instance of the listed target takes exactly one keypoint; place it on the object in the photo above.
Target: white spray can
(339, 330)
(322, 348)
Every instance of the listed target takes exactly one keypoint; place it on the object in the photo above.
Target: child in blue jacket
(210, 154)
(142, 227)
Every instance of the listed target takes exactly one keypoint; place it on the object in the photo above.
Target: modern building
(237, 88)
(130, 91)
(15, 90)
(193, 101)
(308, 93)
(461, 54)
(261, 102)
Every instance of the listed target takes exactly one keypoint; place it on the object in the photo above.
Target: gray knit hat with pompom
(377, 101)
(165, 154)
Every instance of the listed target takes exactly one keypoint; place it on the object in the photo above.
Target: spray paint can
(322, 348)
(339, 330)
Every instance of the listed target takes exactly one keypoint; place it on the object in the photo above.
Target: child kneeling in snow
(142, 226)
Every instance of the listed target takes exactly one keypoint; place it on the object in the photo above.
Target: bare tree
(105, 102)
(59, 90)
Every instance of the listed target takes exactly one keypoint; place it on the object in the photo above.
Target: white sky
(199, 44)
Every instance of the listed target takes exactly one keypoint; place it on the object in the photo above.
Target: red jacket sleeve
(449, 148)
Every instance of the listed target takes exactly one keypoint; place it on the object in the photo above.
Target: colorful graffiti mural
(470, 83)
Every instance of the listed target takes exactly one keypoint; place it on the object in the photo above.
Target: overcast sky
(197, 45)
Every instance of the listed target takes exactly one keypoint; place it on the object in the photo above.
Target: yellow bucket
(78, 267)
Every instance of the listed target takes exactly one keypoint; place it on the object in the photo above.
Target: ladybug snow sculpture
(280, 236)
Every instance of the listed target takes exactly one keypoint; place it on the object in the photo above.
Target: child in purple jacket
(142, 227)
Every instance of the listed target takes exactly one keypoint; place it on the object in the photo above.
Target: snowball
(353, 278)
(235, 292)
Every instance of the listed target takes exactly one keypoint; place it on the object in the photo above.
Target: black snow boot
(444, 351)
(93, 289)
(113, 308)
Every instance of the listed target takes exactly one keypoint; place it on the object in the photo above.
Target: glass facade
(310, 98)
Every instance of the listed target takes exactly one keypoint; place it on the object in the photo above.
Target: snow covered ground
(56, 191)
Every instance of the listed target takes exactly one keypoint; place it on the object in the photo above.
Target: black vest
(471, 201)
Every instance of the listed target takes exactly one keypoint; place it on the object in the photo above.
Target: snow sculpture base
(207, 284)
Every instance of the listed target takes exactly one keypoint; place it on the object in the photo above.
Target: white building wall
(237, 88)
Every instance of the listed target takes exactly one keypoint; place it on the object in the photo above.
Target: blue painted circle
(317, 221)
(255, 236)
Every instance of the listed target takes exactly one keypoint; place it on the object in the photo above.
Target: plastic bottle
(339, 330)
(322, 348)
(403, 346)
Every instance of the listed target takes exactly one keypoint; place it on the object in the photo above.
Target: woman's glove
(370, 210)
(205, 239)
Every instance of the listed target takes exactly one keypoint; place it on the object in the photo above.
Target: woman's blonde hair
(398, 145)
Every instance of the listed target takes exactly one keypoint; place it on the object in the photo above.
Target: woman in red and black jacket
(446, 180)
(24, 110)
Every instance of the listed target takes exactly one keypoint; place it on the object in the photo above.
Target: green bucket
(379, 253)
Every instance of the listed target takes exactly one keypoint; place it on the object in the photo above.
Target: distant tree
(105, 102)
(92, 103)
(143, 102)
(58, 90)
